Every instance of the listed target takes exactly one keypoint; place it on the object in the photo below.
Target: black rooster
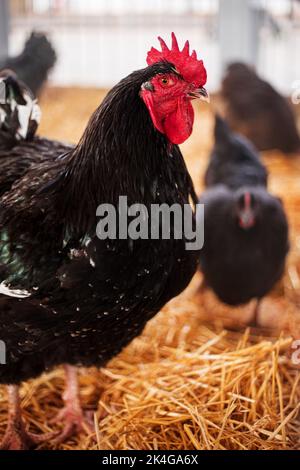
(68, 296)
(34, 63)
(255, 109)
(246, 230)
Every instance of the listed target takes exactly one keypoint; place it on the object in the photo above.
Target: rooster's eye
(166, 81)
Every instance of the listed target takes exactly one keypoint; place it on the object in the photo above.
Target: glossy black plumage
(255, 109)
(240, 264)
(85, 299)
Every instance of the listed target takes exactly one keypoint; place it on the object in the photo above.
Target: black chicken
(66, 295)
(234, 161)
(246, 230)
(34, 63)
(255, 109)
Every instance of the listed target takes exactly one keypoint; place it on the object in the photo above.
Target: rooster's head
(168, 95)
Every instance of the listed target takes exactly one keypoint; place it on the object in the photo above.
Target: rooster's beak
(200, 93)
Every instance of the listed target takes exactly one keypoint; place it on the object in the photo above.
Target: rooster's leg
(72, 416)
(16, 437)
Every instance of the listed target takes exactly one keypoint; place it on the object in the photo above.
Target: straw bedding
(197, 378)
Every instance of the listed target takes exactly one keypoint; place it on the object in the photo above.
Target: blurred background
(100, 41)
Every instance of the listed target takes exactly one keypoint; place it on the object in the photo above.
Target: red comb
(192, 69)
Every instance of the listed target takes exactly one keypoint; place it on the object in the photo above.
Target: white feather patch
(36, 112)
(19, 293)
(24, 113)
(2, 116)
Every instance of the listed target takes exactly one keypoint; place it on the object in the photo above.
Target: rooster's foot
(74, 419)
(17, 438)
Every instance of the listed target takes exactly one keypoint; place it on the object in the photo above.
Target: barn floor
(197, 378)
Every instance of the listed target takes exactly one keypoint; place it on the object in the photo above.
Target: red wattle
(178, 125)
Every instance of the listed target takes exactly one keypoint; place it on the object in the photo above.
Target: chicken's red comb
(192, 69)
